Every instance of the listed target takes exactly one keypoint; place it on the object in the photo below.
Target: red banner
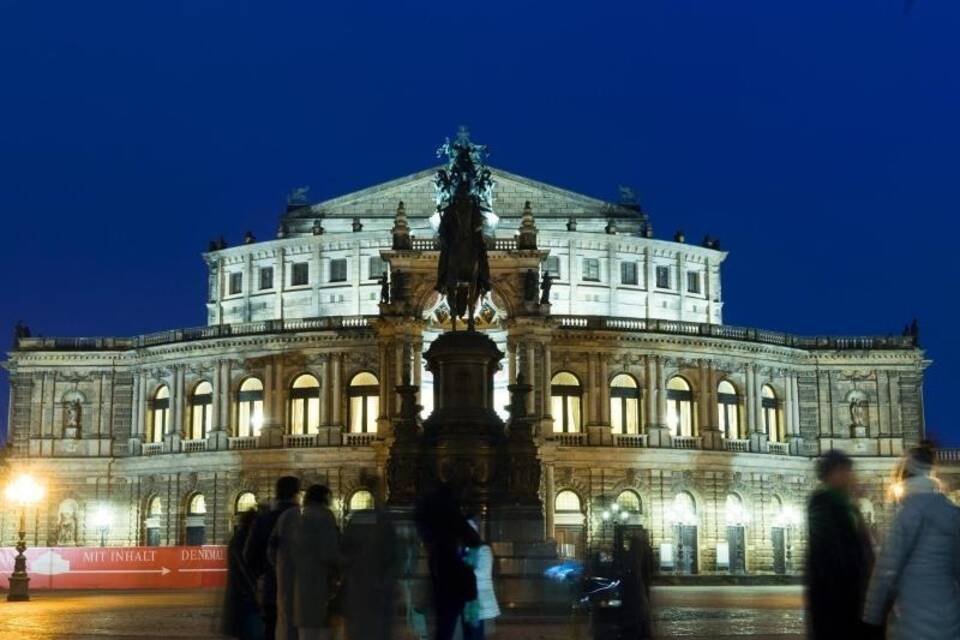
(120, 567)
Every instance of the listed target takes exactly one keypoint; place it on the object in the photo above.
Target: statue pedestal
(795, 444)
(759, 442)
(711, 438)
(218, 440)
(659, 436)
(173, 442)
(271, 435)
(134, 446)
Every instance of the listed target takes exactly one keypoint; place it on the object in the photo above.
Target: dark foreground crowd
(912, 586)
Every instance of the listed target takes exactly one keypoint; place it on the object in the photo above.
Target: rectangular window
(552, 266)
(236, 283)
(377, 267)
(591, 269)
(338, 270)
(693, 282)
(628, 273)
(300, 274)
(266, 278)
(663, 277)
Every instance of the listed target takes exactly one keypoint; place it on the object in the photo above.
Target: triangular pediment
(510, 194)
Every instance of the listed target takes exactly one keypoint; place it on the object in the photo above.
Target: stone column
(337, 391)
(325, 391)
(137, 436)
(658, 435)
(598, 389)
(174, 434)
(417, 365)
(549, 502)
(218, 436)
(530, 358)
(271, 433)
(792, 414)
(758, 435)
(605, 389)
(279, 282)
(546, 402)
(711, 436)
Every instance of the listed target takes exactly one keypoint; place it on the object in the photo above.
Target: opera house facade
(649, 410)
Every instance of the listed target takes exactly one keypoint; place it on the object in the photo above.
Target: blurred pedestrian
(241, 614)
(634, 567)
(305, 549)
(255, 551)
(371, 565)
(918, 573)
(484, 608)
(839, 554)
(442, 529)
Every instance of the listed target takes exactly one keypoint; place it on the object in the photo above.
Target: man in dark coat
(839, 555)
(255, 551)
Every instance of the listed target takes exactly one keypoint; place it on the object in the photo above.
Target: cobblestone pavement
(684, 612)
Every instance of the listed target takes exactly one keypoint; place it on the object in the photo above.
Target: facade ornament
(401, 229)
(357, 225)
(298, 198)
(527, 238)
(571, 224)
(248, 238)
(67, 527)
(858, 413)
(464, 192)
(398, 286)
(530, 288)
(20, 330)
(545, 285)
(611, 227)
(384, 282)
(679, 237)
(648, 230)
(318, 229)
(282, 230)
(72, 414)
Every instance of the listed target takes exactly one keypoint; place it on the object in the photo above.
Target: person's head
(835, 470)
(287, 488)
(919, 460)
(245, 519)
(471, 532)
(317, 495)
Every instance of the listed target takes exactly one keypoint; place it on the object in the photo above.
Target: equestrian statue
(464, 194)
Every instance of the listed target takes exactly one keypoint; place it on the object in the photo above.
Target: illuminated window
(629, 501)
(266, 278)
(197, 506)
(552, 266)
(195, 531)
(155, 507)
(624, 404)
(728, 408)
(364, 393)
(246, 501)
(591, 269)
(201, 410)
(684, 509)
(567, 502)
(663, 277)
(679, 407)
(338, 270)
(565, 395)
(693, 282)
(735, 513)
(250, 407)
(771, 413)
(628, 273)
(299, 274)
(305, 405)
(236, 283)
(361, 501)
(377, 267)
(160, 414)
(153, 514)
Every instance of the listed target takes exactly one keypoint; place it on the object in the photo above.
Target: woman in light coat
(305, 549)
(918, 573)
(479, 556)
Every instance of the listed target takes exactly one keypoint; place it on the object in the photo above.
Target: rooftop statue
(464, 193)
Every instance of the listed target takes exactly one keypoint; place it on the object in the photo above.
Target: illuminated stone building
(650, 411)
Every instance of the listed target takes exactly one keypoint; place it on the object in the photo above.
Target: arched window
(567, 502)
(195, 529)
(734, 512)
(305, 405)
(364, 393)
(684, 509)
(728, 408)
(679, 407)
(361, 500)
(565, 396)
(151, 522)
(624, 404)
(201, 410)
(629, 502)
(246, 501)
(771, 413)
(159, 414)
(250, 407)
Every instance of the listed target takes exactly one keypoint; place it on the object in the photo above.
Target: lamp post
(101, 520)
(23, 492)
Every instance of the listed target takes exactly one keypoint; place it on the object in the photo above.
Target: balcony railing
(677, 327)
(152, 448)
(731, 444)
(570, 439)
(686, 442)
(630, 440)
(243, 442)
(192, 446)
(780, 448)
(360, 439)
(948, 456)
(300, 441)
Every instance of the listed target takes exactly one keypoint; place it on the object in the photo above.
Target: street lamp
(101, 520)
(22, 492)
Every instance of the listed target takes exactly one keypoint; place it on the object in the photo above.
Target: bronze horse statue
(463, 273)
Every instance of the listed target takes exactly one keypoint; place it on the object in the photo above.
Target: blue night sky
(817, 139)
